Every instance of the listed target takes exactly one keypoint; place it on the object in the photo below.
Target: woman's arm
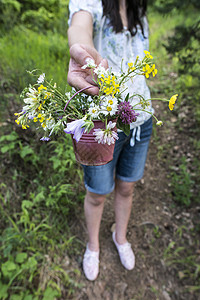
(81, 29)
(80, 39)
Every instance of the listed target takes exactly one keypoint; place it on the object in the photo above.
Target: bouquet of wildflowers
(75, 112)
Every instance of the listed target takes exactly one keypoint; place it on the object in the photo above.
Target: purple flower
(126, 113)
(45, 139)
(76, 128)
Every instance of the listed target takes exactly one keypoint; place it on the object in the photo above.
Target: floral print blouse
(117, 46)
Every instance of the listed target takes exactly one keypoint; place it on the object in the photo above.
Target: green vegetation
(35, 238)
(177, 49)
(182, 184)
(24, 50)
(184, 258)
(180, 53)
(40, 190)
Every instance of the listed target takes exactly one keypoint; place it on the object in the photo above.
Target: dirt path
(153, 225)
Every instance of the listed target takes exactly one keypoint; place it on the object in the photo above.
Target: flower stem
(148, 113)
(166, 100)
(106, 121)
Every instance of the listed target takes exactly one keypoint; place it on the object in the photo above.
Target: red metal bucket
(89, 152)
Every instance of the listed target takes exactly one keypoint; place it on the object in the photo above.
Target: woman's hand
(81, 78)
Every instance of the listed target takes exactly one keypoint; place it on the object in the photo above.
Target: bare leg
(123, 204)
(93, 207)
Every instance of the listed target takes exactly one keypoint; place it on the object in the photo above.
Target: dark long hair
(136, 9)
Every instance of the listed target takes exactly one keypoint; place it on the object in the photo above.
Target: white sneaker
(126, 254)
(91, 264)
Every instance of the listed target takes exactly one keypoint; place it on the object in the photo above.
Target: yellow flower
(172, 101)
(102, 78)
(42, 119)
(41, 88)
(154, 70)
(130, 67)
(47, 95)
(25, 126)
(108, 85)
(107, 80)
(17, 121)
(40, 107)
(35, 119)
(148, 54)
(39, 115)
(147, 70)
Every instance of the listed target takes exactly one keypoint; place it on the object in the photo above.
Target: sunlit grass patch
(23, 50)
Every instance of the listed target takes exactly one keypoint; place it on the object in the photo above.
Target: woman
(107, 32)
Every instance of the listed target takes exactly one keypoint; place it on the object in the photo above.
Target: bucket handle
(88, 87)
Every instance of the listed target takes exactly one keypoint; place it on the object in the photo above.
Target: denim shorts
(128, 161)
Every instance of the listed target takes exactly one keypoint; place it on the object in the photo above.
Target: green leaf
(56, 162)
(8, 147)
(9, 265)
(27, 204)
(26, 151)
(16, 297)
(124, 127)
(28, 297)
(127, 97)
(3, 291)
(13, 3)
(8, 268)
(50, 294)
(88, 126)
(31, 264)
(39, 197)
(21, 257)
(10, 137)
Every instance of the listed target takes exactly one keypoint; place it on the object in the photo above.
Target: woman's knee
(95, 199)
(125, 189)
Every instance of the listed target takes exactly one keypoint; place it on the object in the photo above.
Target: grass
(23, 50)
(182, 184)
(35, 234)
(42, 180)
(184, 259)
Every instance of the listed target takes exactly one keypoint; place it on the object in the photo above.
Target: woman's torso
(118, 47)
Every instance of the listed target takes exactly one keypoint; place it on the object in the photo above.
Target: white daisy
(94, 111)
(109, 105)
